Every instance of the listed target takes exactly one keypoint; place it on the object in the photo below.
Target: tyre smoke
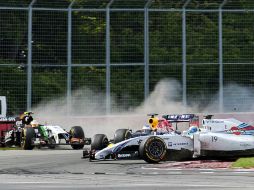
(87, 108)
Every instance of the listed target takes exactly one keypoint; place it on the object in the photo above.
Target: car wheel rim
(156, 149)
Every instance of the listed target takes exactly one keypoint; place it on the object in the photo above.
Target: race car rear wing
(6, 123)
(7, 120)
(192, 119)
(180, 117)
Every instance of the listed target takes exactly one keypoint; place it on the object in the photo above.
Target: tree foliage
(50, 38)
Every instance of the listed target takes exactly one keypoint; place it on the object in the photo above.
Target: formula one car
(159, 125)
(216, 138)
(51, 136)
(37, 135)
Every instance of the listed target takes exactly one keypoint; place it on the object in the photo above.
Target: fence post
(108, 98)
(184, 80)
(221, 107)
(69, 58)
(29, 57)
(146, 49)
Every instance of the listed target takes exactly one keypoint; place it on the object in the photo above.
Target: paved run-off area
(64, 169)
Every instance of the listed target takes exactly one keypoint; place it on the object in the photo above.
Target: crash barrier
(6, 124)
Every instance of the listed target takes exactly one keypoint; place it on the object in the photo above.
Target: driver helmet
(28, 113)
(34, 123)
(25, 114)
(146, 127)
(193, 129)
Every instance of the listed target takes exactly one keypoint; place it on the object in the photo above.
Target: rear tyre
(77, 132)
(153, 149)
(27, 136)
(121, 135)
(99, 142)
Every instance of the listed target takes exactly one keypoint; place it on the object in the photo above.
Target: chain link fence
(109, 55)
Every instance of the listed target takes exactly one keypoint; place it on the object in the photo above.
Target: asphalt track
(64, 169)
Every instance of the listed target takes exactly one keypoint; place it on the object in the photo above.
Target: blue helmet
(193, 129)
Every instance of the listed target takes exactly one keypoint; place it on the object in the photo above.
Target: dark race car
(215, 139)
(15, 132)
(156, 126)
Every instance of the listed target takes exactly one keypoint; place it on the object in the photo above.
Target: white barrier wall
(3, 106)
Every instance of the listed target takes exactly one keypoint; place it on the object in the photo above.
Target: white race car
(52, 135)
(37, 135)
(216, 138)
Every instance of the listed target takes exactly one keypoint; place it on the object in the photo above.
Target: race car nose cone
(99, 156)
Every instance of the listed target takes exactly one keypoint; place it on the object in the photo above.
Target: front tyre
(121, 135)
(27, 136)
(77, 132)
(153, 149)
(99, 142)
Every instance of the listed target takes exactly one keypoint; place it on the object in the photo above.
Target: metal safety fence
(111, 54)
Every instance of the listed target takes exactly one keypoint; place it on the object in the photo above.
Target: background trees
(127, 47)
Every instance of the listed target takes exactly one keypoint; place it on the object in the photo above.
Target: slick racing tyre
(27, 136)
(77, 132)
(121, 135)
(153, 149)
(99, 142)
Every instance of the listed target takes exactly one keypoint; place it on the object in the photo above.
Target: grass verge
(10, 148)
(243, 163)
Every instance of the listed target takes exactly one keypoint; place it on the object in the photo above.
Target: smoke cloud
(237, 98)
(88, 108)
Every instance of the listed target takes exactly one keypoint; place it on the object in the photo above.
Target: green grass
(243, 163)
(10, 148)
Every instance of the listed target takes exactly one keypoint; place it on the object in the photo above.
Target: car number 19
(214, 139)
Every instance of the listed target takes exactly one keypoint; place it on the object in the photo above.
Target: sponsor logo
(123, 155)
(214, 121)
(181, 144)
(234, 130)
(170, 144)
(7, 119)
(244, 144)
(243, 125)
